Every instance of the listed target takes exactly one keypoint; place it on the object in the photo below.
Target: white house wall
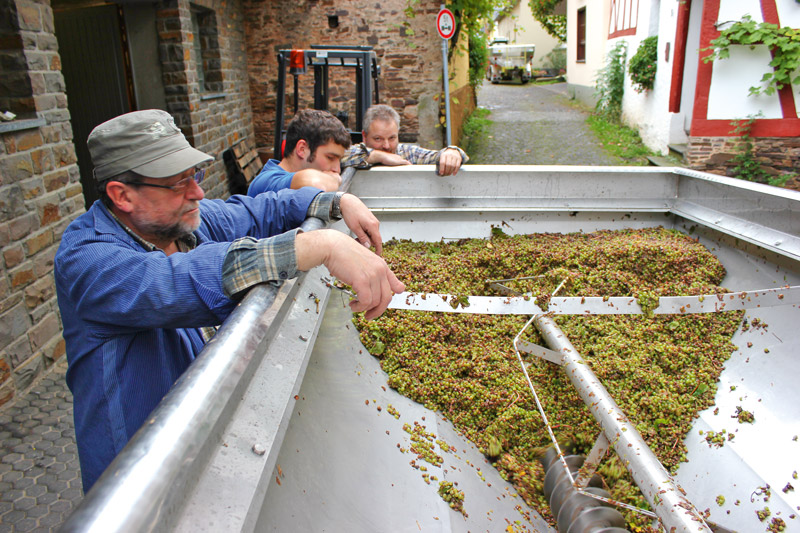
(648, 111)
(581, 76)
(729, 93)
(683, 119)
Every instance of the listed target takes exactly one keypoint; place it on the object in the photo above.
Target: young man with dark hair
(315, 142)
(381, 146)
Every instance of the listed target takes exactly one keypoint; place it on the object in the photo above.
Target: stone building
(408, 48)
(68, 65)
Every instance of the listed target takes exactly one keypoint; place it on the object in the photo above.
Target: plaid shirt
(251, 261)
(356, 155)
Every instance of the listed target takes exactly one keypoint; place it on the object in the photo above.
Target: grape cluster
(453, 496)
(662, 370)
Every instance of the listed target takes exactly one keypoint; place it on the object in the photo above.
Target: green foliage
(610, 85)
(472, 15)
(747, 166)
(643, 64)
(555, 25)
(478, 59)
(783, 43)
(620, 140)
(557, 59)
(476, 122)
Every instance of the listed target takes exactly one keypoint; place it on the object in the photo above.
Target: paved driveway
(535, 125)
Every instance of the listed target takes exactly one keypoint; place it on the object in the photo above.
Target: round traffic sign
(445, 23)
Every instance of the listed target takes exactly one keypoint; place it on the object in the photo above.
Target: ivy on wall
(555, 25)
(783, 43)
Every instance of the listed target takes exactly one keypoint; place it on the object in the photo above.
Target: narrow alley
(535, 125)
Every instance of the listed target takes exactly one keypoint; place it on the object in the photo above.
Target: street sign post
(446, 26)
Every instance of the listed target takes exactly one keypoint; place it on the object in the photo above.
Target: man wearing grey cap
(145, 273)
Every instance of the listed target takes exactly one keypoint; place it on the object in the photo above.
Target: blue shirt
(132, 316)
(271, 178)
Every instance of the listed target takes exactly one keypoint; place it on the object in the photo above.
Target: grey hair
(380, 112)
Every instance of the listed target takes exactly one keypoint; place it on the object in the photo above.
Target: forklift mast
(321, 58)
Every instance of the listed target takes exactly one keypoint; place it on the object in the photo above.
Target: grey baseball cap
(146, 142)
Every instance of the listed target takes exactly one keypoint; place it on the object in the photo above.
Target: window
(624, 14)
(206, 49)
(581, 52)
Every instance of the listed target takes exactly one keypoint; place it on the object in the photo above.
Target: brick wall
(40, 193)
(411, 63)
(217, 115)
(777, 155)
(40, 190)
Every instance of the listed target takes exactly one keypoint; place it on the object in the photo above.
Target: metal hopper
(276, 427)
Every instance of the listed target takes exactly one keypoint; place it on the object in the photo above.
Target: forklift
(321, 58)
(242, 160)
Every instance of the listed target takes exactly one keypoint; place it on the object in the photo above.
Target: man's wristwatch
(336, 209)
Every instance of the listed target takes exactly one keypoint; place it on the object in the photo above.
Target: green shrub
(610, 85)
(478, 58)
(556, 59)
(643, 65)
(477, 122)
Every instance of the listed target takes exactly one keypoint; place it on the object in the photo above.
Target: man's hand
(378, 157)
(368, 274)
(362, 222)
(449, 162)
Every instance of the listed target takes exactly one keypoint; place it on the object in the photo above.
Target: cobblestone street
(535, 125)
(40, 481)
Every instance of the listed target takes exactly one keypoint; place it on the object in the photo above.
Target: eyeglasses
(179, 187)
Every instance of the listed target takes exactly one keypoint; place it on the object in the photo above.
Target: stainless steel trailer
(276, 427)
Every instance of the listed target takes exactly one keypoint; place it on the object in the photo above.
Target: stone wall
(777, 155)
(410, 58)
(215, 116)
(40, 192)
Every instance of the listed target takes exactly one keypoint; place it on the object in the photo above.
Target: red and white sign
(446, 24)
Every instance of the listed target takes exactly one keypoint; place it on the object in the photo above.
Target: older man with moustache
(146, 273)
(381, 146)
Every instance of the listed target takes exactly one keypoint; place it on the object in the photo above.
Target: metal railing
(144, 487)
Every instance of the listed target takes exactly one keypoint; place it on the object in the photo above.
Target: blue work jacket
(131, 317)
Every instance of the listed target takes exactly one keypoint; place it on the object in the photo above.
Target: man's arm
(448, 160)
(366, 272)
(311, 177)
(356, 156)
(252, 261)
(361, 157)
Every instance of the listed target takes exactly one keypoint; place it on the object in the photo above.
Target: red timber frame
(788, 126)
(627, 13)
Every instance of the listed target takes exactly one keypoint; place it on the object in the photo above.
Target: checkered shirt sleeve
(356, 156)
(250, 261)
